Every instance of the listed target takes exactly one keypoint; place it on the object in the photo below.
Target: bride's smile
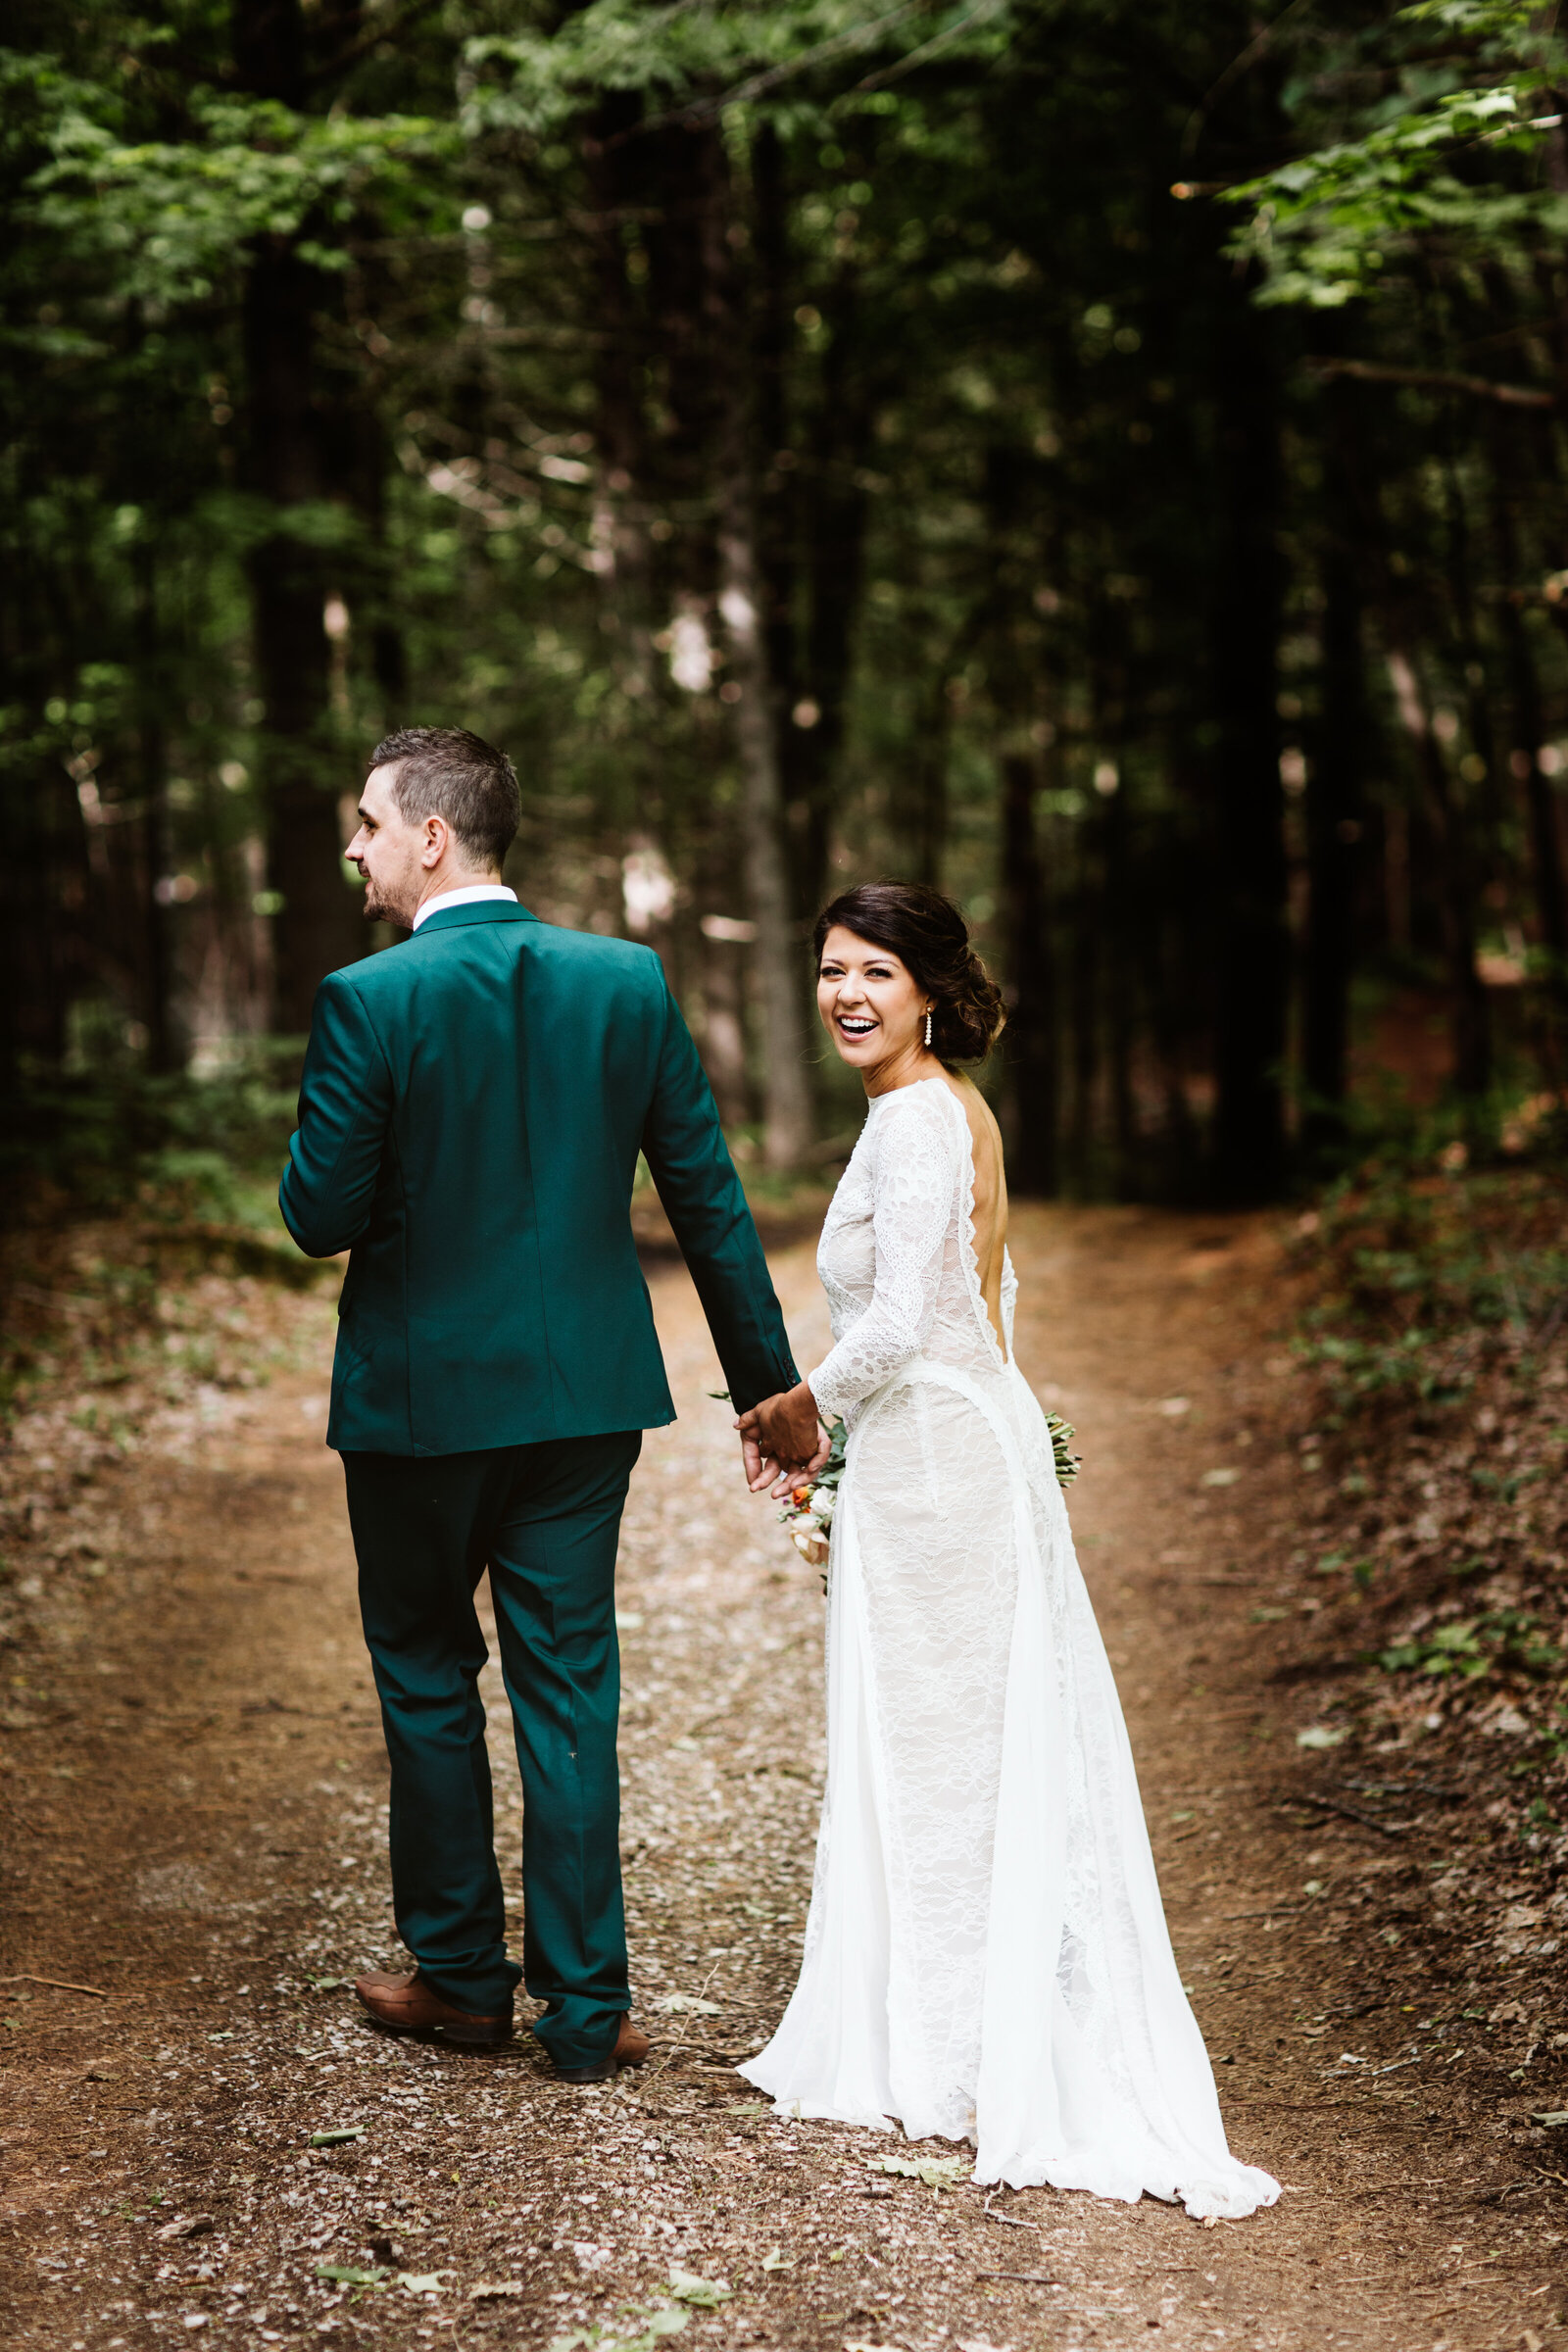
(874, 1011)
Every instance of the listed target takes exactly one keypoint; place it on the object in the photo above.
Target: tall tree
(1246, 610)
(779, 961)
(1335, 791)
(317, 917)
(1031, 1046)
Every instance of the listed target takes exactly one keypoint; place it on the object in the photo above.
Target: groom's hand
(783, 1432)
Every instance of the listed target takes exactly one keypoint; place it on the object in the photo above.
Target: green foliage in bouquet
(1067, 1463)
(809, 1512)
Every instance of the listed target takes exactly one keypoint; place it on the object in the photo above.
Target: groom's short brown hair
(447, 773)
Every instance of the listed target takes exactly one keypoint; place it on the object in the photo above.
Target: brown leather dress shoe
(405, 2004)
(631, 2048)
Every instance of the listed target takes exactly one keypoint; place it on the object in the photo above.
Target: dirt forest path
(193, 1812)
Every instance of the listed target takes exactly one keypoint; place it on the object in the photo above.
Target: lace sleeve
(912, 1181)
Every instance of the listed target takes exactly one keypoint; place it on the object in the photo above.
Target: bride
(986, 1956)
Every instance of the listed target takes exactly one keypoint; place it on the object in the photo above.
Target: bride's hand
(782, 1435)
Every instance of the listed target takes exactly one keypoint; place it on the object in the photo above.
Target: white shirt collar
(475, 893)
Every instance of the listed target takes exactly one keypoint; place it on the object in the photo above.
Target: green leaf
(337, 2139)
(704, 2294)
(175, 217)
(534, 81)
(344, 2275)
(1455, 174)
(936, 2172)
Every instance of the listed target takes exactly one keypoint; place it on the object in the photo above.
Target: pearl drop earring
(928, 1024)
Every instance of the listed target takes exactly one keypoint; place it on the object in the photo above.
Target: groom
(472, 1107)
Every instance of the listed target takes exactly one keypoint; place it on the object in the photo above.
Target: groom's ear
(436, 840)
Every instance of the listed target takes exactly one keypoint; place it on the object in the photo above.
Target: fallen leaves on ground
(639, 2330)
(936, 2172)
(704, 2294)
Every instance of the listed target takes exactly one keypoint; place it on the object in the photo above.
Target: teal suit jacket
(472, 1110)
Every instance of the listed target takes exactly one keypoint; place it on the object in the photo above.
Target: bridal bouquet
(808, 1511)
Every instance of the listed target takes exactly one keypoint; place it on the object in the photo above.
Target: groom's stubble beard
(386, 903)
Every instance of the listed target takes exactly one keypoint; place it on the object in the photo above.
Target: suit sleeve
(345, 1109)
(690, 1162)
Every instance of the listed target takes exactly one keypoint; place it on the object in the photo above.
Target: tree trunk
(1471, 1018)
(1120, 969)
(917, 801)
(813, 515)
(1253, 972)
(1161, 949)
(165, 1045)
(787, 1116)
(1030, 1045)
(620, 492)
(317, 925)
(1527, 725)
(723, 1038)
(778, 498)
(1334, 802)
(1524, 765)
(1083, 1019)
(835, 517)
(779, 963)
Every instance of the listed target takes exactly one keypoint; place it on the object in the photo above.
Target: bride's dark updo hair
(929, 937)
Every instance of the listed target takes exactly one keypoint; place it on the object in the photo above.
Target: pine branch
(698, 111)
(372, 39)
(1479, 387)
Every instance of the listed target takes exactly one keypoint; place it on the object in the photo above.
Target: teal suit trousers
(544, 1519)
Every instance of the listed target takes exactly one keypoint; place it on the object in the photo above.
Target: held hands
(781, 1435)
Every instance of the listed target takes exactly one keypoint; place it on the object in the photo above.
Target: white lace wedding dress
(986, 1956)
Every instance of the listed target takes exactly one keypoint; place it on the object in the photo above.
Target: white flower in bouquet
(807, 1510)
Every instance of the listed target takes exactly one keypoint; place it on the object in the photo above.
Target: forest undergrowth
(1430, 1430)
